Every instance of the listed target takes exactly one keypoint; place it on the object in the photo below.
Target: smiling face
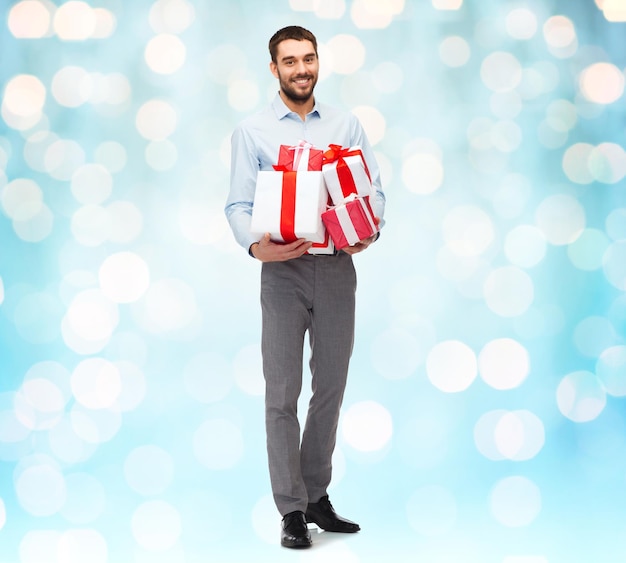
(297, 69)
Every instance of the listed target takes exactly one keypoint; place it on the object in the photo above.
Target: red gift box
(346, 173)
(301, 157)
(350, 222)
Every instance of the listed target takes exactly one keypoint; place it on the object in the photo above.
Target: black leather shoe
(323, 514)
(295, 532)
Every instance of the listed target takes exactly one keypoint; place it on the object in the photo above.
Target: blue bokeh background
(484, 418)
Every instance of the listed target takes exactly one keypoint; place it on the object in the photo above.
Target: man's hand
(361, 246)
(267, 251)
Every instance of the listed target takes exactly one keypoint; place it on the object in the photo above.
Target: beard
(294, 93)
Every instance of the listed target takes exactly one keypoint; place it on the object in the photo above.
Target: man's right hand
(267, 251)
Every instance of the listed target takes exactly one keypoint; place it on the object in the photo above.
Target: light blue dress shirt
(255, 143)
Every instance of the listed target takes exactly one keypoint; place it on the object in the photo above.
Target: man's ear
(274, 69)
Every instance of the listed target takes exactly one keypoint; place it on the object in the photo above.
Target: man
(300, 292)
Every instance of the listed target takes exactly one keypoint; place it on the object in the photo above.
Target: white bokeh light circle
(24, 96)
(21, 199)
(347, 53)
(149, 470)
(124, 277)
(95, 426)
(576, 163)
(432, 510)
(373, 14)
(80, 545)
(503, 363)
(602, 83)
(91, 184)
(40, 487)
(39, 546)
(91, 225)
(468, 230)
(72, 86)
(171, 16)
(156, 120)
(521, 23)
(74, 21)
(561, 219)
(156, 525)
(501, 71)
(373, 122)
(124, 221)
(515, 501)
(29, 19)
(454, 51)
(367, 426)
(607, 163)
(168, 305)
(90, 317)
(580, 396)
(422, 173)
(525, 246)
(519, 435)
(39, 404)
(451, 366)
(218, 444)
(165, 53)
(508, 291)
(611, 370)
(96, 383)
(587, 251)
(133, 385)
(560, 36)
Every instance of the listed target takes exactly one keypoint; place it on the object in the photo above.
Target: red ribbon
(288, 204)
(336, 153)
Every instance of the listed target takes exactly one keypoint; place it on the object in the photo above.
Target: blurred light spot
(66, 445)
(422, 173)
(510, 199)
(29, 19)
(74, 21)
(519, 435)
(248, 370)
(39, 404)
(451, 366)
(35, 149)
(447, 4)
(133, 385)
(39, 546)
(515, 501)
(165, 53)
(90, 225)
(367, 426)
(76, 546)
(587, 250)
(397, 353)
(468, 230)
(432, 510)
(521, 23)
(454, 267)
(561, 115)
(388, 77)
(171, 16)
(348, 53)
(614, 10)
(91, 183)
(111, 155)
(161, 155)
(501, 71)
(614, 264)
(221, 62)
(602, 83)
(89, 322)
(105, 24)
(208, 377)
(96, 383)
(123, 222)
(218, 444)
(484, 434)
(454, 51)
(40, 486)
(95, 426)
(607, 163)
(156, 525)
(156, 120)
(580, 396)
(63, 158)
(22, 199)
(505, 105)
(593, 334)
(561, 219)
(503, 363)
(611, 370)
(201, 223)
(24, 96)
(560, 36)
(243, 94)
(330, 9)
(375, 14)
(124, 277)
(372, 121)
(508, 291)
(149, 470)
(168, 305)
(525, 246)
(85, 500)
(72, 86)
(506, 136)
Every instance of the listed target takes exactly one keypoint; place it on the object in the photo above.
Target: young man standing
(300, 292)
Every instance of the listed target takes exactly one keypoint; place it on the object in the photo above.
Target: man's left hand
(361, 246)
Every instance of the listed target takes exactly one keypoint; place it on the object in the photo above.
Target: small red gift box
(300, 157)
(345, 173)
(350, 222)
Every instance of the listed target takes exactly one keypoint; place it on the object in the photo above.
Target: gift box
(301, 157)
(345, 172)
(326, 247)
(350, 222)
(289, 206)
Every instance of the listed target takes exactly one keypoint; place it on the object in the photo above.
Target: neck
(301, 107)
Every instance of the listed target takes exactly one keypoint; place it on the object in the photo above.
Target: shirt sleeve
(244, 167)
(360, 138)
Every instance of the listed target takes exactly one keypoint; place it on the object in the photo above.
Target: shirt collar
(281, 110)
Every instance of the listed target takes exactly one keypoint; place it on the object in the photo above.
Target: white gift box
(289, 206)
(346, 173)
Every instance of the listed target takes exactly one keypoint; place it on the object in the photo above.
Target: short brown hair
(290, 32)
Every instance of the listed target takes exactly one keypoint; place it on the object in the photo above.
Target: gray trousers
(314, 294)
